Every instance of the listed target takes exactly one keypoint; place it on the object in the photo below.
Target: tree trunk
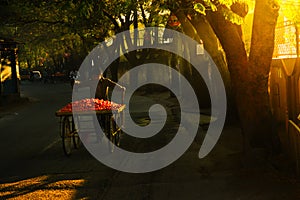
(187, 69)
(261, 52)
(250, 78)
(231, 39)
(214, 49)
(212, 45)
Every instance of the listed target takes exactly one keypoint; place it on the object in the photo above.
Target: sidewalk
(224, 174)
(11, 107)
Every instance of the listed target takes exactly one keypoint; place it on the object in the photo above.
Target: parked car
(24, 75)
(35, 75)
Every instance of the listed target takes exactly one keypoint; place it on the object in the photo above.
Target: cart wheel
(117, 138)
(119, 132)
(76, 141)
(76, 138)
(66, 136)
(117, 135)
(112, 143)
(112, 137)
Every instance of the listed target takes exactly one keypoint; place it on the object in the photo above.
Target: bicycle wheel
(117, 138)
(112, 137)
(76, 138)
(76, 141)
(66, 136)
(117, 129)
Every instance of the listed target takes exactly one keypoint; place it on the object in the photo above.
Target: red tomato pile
(90, 104)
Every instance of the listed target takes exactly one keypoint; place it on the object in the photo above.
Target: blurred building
(285, 88)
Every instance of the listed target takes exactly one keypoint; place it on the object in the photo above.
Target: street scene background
(33, 164)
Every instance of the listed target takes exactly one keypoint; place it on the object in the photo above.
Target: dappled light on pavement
(41, 187)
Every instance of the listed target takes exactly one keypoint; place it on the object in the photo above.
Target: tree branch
(112, 19)
(143, 15)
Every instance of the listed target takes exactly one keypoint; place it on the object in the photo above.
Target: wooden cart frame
(69, 132)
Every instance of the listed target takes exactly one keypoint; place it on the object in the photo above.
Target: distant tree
(55, 27)
(72, 27)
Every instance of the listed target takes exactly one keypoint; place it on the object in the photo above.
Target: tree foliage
(290, 9)
(59, 28)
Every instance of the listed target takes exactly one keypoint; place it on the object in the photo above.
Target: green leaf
(210, 4)
(232, 17)
(200, 8)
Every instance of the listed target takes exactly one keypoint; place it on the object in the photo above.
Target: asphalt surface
(33, 165)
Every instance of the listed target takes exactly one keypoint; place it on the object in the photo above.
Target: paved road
(33, 165)
(30, 145)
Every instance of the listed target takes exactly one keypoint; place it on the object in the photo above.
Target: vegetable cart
(88, 112)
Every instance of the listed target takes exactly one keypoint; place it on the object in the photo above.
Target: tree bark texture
(261, 52)
(187, 69)
(214, 49)
(250, 78)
